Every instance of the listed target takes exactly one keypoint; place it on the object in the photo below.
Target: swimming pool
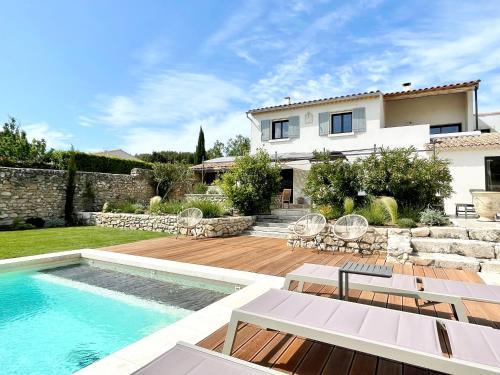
(60, 320)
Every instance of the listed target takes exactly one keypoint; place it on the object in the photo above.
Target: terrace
(292, 354)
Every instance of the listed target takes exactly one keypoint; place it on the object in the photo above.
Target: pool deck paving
(288, 353)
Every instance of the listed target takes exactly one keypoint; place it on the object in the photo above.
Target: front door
(492, 166)
(287, 180)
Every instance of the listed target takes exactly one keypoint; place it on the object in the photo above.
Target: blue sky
(144, 76)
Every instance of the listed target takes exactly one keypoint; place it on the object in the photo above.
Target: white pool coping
(190, 329)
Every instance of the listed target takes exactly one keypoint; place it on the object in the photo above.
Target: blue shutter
(294, 127)
(324, 123)
(359, 120)
(265, 130)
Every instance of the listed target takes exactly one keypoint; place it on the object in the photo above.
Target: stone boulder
(492, 235)
(431, 245)
(446, 261)
(491, 266)
(449, 232)
(473, 248)
(420, 232)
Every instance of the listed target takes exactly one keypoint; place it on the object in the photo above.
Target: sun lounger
(186, 359)
(396, 335)
(435, 290)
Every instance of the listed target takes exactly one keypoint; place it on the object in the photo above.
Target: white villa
(438, 119)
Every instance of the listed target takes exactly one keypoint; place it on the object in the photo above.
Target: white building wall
(310, 140)
(467, 170)
(433, 110)
(490, 121)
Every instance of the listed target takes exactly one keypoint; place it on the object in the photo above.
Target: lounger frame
(456, 302)
(396, 353)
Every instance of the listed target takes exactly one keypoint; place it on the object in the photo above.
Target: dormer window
(280, 129)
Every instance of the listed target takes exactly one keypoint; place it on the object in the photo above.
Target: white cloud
(168, 98)
(54, 138)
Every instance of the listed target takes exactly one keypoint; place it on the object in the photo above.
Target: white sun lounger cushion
(466, 290)
(397, 281)
(474, 343)
(392, 327)
(186, 360)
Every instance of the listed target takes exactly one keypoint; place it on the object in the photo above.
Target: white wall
(310, 140)
(433, 110)
(467, 170)
(490, 121)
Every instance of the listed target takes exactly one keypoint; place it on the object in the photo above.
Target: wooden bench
(465, 209)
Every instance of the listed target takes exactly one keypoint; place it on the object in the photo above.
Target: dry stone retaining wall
(472, 249)
(214, 227)
(26, 192)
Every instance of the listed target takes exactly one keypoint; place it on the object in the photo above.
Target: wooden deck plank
(288, 353)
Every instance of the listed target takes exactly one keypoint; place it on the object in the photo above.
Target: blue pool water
(54, 326)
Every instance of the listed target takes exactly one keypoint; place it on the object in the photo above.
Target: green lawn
(38, 241)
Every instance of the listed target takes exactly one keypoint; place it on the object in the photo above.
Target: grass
(38, 241)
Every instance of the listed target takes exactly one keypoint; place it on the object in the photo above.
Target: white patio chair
(350, 228)
(308, 227)
(189, 219)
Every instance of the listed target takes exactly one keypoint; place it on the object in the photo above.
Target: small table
(359, 269)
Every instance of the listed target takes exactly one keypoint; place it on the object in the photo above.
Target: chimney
(288, 100)
(406, 86)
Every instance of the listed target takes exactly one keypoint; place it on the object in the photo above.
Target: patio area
(292, 354)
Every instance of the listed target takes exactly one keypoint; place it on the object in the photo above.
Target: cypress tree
(200, 153)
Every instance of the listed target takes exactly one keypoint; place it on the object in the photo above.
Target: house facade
(438, 119)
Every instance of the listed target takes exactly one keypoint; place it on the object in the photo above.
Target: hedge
(84, 162)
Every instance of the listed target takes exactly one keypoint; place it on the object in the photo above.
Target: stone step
(446, 261)
(468, 248)
(271, 224)
(264, 228)
(278, 219)
(260, 233)
(290, 212)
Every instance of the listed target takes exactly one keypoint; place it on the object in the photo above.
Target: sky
(145, 75)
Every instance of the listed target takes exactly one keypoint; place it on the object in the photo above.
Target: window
(341, 123)
(492, 169)
(280, 129)
(448, 128)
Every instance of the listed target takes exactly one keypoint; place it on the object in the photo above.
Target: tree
(69, 205)
(411, 180)
(168, 157)
(238, 146)
(216, 151)
(167, 175)
(252, 183)
(200, 154)
(15, 147)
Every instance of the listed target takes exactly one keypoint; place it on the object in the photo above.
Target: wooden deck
(292, 354)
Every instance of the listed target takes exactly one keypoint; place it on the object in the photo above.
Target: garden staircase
(276, 224)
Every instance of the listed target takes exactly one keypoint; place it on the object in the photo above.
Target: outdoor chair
(187, 359)
(396, 335)
(351, 228)
(430, 289)
(308, 227)
(188, 219)
(286, 197)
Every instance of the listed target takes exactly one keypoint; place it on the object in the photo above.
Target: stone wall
(374, 240)
(26, 192)
(216, 227)
(474, 249)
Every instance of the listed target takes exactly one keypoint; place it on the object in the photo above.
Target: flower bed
(214, 227)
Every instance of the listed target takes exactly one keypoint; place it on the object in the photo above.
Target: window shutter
(324, 123)
(265, 130)
(358, 120)
(294, 127)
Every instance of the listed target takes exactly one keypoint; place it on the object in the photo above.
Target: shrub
(329, 212)
(209, 208)
(69, 207)
(168, 175)
(348, 206)
(410, 212)
(154, 201)
(430, 216)
(20, 224)
(167, 208)
(55, 222)
(124, 207)
(214, 189)
(37, 222)
(374, 212)
(331, 181)
(391, 206)
(405, 222)
(252, 183)
(200, 188)
(411, 180)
